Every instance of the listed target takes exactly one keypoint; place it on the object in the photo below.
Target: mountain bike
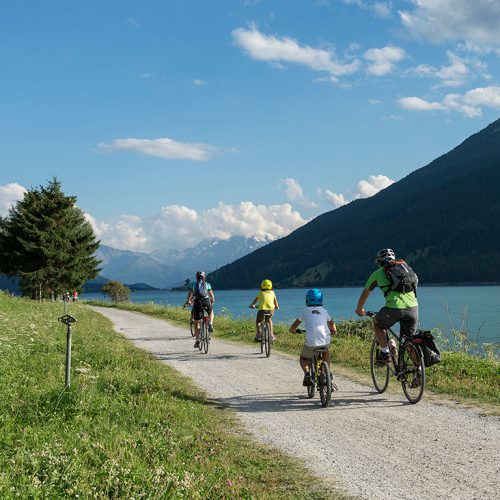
(265, 335)
(205, 337)
(406, 364)
(320, 373)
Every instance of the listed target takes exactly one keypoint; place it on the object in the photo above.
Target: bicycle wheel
(202, 336)
(325, 384)
(267, 342)
(207, 339)
(412, 372)
(192, 328)
(380, 372)
(262, 338)
(311, 389)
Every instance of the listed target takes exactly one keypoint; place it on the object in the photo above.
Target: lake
(478, 307)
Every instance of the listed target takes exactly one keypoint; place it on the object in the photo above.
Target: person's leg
(304, 364)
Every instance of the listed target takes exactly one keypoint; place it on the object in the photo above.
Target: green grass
(459, 375)
(129, 426)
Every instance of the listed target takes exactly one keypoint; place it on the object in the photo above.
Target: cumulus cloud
(294, 192)
(382, 61)
(198, 82)
(469, 104)
(381, 9)
(364, 189)
(165, 148)
(178, 226)
(475, 21)
(9, 195)
(275, 49)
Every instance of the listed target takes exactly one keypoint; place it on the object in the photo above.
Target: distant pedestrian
(75, 296)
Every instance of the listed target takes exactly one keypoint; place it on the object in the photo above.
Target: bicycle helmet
(384, 255)
(314, 297)
(266, 285)
(200, 275)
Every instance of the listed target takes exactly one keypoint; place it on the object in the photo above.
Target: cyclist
(267, 304)
(202, 296)
(319, 326)
(399, 306)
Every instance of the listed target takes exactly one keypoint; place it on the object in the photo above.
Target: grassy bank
(458, 375)
(129, 427)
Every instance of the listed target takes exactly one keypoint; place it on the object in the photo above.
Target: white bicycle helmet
(384, 255)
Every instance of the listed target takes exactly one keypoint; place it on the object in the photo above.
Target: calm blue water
(439, 306)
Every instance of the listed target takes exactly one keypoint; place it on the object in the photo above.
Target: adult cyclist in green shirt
(399, 307)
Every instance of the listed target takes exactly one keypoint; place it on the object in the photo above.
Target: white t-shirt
(315, 323)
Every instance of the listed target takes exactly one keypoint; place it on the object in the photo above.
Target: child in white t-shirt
(318, 326)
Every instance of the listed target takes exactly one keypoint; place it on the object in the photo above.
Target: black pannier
(429, 348)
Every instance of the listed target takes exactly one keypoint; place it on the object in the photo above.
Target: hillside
(443, 218)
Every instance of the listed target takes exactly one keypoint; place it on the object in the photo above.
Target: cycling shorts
(308, 351)
(407, 318)
(199, 305)
(261, 312)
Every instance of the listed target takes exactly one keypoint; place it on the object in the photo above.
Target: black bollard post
(68, 320)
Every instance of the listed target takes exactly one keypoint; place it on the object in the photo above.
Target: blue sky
(175, 120)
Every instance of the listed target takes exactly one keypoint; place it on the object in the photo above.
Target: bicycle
(406, 364)
(205, 337)
(192, 322)
(265, 334)
(321, 375)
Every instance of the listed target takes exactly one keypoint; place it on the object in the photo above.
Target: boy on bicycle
(318, 327)
(202, 296)
(267, 304)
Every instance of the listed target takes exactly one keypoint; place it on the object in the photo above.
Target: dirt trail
(374, 446)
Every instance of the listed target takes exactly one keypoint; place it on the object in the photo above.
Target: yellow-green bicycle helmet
(266, 285)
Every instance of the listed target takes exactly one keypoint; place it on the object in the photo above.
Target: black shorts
(199, 305)
(407, 318)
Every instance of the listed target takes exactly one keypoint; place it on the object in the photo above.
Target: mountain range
(168, 268)
(444, 219)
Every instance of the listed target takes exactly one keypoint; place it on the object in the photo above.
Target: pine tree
(47, 242)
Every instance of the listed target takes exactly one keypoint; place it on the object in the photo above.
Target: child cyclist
(318, 327)
(267, 304)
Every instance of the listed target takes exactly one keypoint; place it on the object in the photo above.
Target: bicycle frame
(265, 335)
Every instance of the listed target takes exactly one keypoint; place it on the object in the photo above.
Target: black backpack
(200, 290)
(429, 348)
(402, 277)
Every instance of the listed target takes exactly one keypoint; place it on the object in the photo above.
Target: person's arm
(361, 302)
(295, 325)
(189, 296)
(254, 301)
(276, 305)
(331, 326)
(212, 296)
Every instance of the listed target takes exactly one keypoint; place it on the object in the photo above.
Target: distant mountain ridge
(443, 218)
(168, 268)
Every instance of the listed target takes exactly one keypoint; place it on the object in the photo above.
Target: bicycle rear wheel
(311, 389)
(192, 328)
(380, 372)
(207, 339)
(262, 339)
(202, 336)
(325, 384)
(412, 372)
(267, 341)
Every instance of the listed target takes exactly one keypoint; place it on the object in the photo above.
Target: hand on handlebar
(252, 306)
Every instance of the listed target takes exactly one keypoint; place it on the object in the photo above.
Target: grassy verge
(129, 427)
(458, 375)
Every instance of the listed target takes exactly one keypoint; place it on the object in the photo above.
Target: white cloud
(383, 60)
(10, 194)
(455, 74)
(364, 189)
(469, 104)
(381, 9)
(474, 21)
(294, 192)
(275, 49)
(198, 83)
(178, 226)
(165, 148)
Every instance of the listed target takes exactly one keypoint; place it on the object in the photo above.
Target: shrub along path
(376, 446)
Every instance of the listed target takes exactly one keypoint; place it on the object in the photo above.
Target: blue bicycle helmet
(314, 297)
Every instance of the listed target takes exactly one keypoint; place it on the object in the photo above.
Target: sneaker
(417, 379)
(257, 338)
(273, 338)
(307, 380)
(383, 358)
(196, 344)
(210, 328)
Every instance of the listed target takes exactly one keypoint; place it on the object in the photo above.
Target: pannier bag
(429, 348)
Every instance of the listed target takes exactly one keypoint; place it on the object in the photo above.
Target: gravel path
(374, 446)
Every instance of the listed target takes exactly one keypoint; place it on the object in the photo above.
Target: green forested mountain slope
(444, 219)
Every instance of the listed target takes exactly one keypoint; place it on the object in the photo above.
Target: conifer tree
(47, 242)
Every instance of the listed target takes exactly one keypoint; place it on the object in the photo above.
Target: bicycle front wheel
(192, 327)
(325, 384)
(202, 336)
(412, 372)
(207, 340)
(379, 371)
(267, 342)
(262, 338)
